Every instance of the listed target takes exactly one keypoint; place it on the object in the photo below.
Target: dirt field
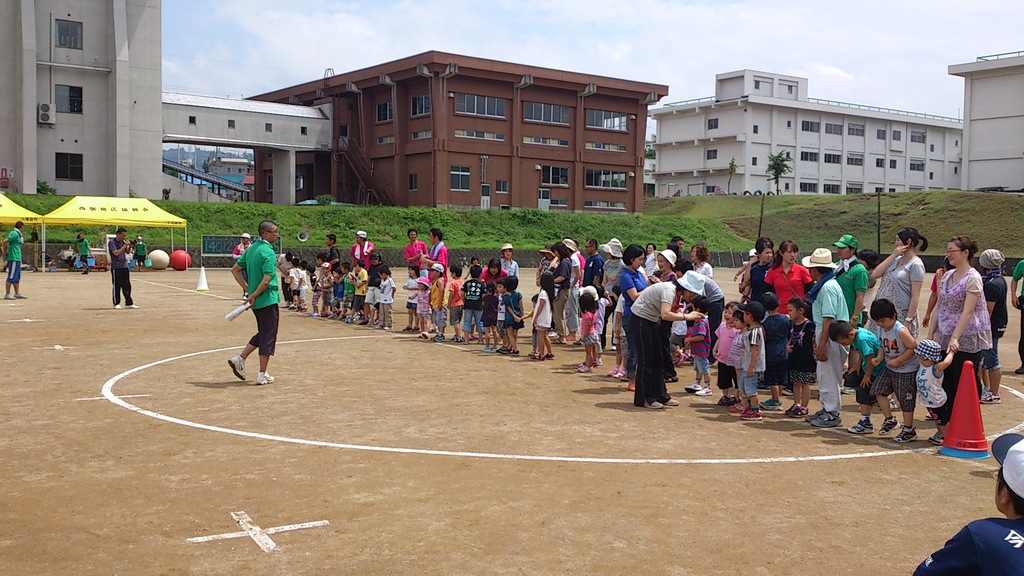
(422, 457)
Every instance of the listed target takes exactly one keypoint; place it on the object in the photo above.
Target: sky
(893, 53)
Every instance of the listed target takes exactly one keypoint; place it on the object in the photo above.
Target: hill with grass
(722, 222)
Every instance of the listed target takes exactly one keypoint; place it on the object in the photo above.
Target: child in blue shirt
(513, 302)
(863, 347)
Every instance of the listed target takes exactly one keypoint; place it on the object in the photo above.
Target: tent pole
(186, 240)
(44, 266)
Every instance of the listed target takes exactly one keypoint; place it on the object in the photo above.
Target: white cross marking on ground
(259, 535)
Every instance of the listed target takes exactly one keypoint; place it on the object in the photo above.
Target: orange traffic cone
(966, 435)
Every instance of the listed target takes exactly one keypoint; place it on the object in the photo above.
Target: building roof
(439, 62)
(242, 105)
(986, 63)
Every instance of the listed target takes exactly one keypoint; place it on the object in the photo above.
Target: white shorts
(372, 293)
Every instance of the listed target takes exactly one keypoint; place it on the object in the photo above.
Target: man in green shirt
(260, 263)
(83, 252)
(852, 276)
(1017, 299)
(12, 249)
(140, 254)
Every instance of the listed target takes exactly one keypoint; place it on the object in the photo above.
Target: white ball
(158, 259)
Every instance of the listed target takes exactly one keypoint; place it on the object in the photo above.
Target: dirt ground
(92, 487)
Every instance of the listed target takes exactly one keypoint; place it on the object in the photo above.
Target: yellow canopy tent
(11, 213)
(112, 211)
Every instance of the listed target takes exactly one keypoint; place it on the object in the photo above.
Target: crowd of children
(762, 346)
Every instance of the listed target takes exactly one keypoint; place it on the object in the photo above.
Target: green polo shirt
(14, 241)
(140, 249)
(852, 281)
(260, 260)
(1018, 273)
(83, 247)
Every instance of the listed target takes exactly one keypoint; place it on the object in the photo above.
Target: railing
(1001, 56)
(879, 109)
(195, 173)
(355, 157)
(686, 102)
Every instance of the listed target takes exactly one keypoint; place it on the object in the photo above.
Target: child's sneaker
(438, 338)
(705, 392)
(735, 409)
(937, 438)
(583, 369)
(598, 362)
(863, 427)
(725, 401)
(893, 404)
(775, 405)
(989, 398)
(796, 411)
(888, 425)
(425, 335)
(906, 435)
(787, 391)
(694, 388)
(847, 390)
(615, 372)
(751, 415)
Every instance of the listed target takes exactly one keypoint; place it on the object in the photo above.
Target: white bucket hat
(669, 255)
(613, 247)
(692, 281)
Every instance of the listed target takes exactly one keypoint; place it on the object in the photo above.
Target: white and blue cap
(1009, 452)
(929, 350)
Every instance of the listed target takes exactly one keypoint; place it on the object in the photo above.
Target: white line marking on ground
(259, 536)
(187, 290)
(108, 393)
(104, 398)
(27, 320)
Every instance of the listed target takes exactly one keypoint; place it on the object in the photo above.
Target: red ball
(180, 260)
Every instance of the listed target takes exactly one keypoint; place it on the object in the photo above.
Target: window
(854, 188)
(191, 120)
(832, 189)
(956, 142)
(231, 124)
(892, 189)
(604, 146)
(414, 181)
(607, 120)
(69, 167)
(69, 34)
(712, 154)
(880, 134)
(303, 131)
(480, 105)
(709, 189)
(808, 186)
(855, 130)
(833, 129)
(897, 135)
(385, 112)
(892, 164)
(559, 202)
(753, 161)
(270, 182)
(931, 147)
(789, 123)
(755, 128)
(879, 162)
(69, 99)
(606, 179)
(546, 141)
(931, 175)
(501, 186)
(757, 84)
(554, 175)
(916, 165)
(268, 127)
(808, 156)
(549, 113)
(480, 135)
(786, 187)
(422, 134)
(956, 169)
(460, 178)
(809, 126)
(787, 154)
(918, 136)
(385, 139)
(420, 105)
(854, 159)
(712, 123)
(879, 189)
(789, 89)
(604, 204)
(833, 158)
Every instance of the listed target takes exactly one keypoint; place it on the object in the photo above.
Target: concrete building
(80, 96)
(993, 121)
(837, 148)
(446, 130)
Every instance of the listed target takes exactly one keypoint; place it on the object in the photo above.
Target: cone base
(201, 290)
(970, 454)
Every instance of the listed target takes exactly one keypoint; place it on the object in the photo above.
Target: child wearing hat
(438, 299)
(752, 367)
(929, 374)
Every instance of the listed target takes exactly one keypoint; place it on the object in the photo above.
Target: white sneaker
(237, 364)
(132, 307)
(117, 306)
(8, 296)
(265, 379)
(704, 392)
(694, 388)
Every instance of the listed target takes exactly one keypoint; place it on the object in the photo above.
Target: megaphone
(302, 236)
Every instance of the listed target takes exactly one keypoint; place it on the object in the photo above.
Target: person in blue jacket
(993, 546)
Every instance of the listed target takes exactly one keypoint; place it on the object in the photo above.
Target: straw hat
(820, 258)
(506, 246)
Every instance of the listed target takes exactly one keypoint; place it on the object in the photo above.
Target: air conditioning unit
(46, 113)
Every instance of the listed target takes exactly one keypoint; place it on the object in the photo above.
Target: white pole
(44, 266)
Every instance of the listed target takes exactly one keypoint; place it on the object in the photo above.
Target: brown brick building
(445, 130)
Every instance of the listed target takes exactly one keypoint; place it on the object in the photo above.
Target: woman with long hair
(961, 324)
(787, 277)
(632, 282)
(901, 278)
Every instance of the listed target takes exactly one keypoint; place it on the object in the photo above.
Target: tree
(649, 153)
(732, 172)
(778, 166)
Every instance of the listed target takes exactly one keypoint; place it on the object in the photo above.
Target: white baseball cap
(361, 234)
(1009, 451)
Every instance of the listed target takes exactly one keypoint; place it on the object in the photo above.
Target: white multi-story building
(993, 121)
(837, 148)
(80, 96)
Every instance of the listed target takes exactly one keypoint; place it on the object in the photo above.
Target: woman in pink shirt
(414, 249)
(493, 272)
(787, 278)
